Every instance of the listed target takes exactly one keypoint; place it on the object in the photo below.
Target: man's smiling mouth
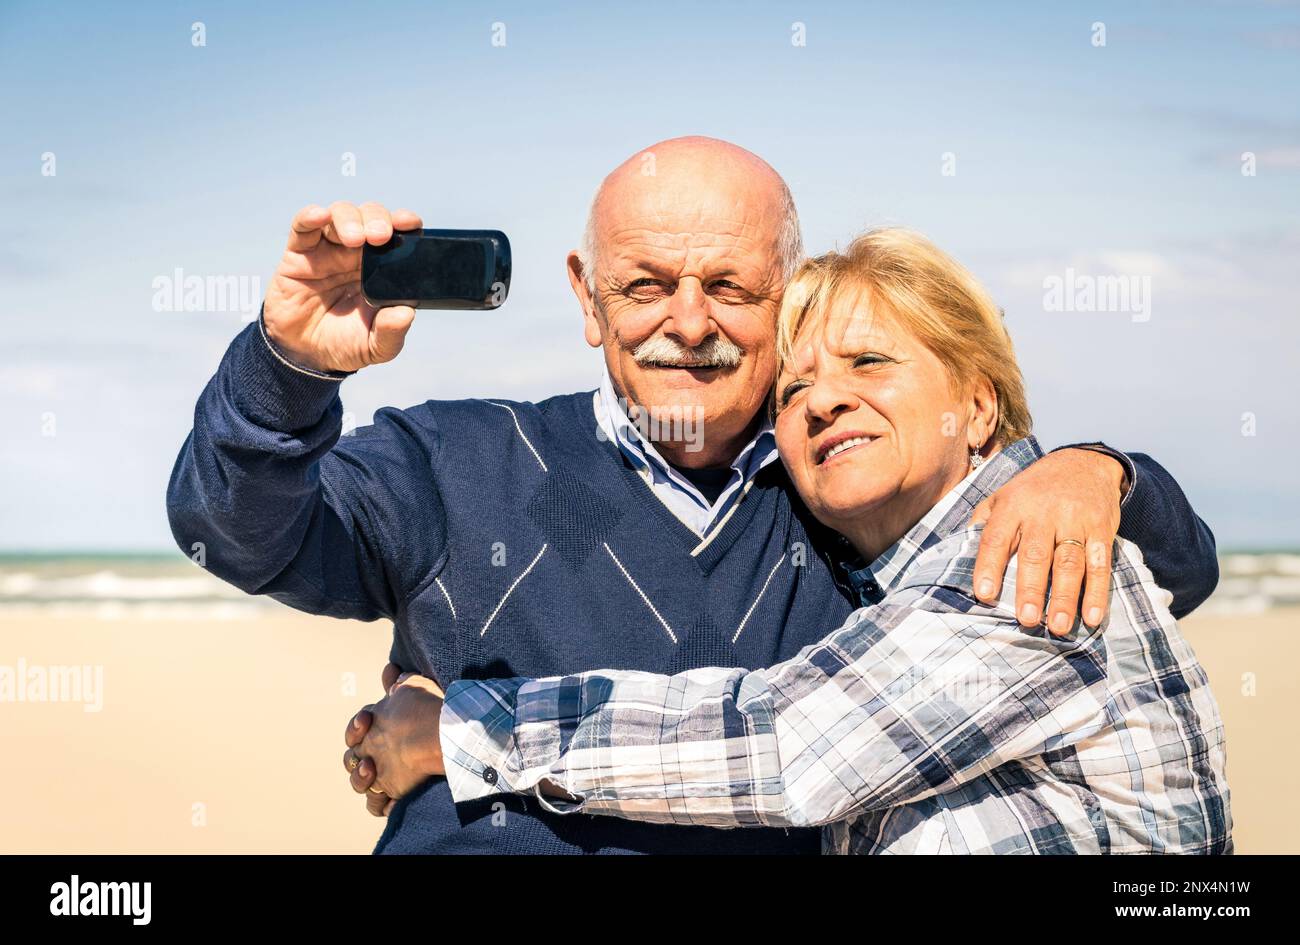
(664, 366)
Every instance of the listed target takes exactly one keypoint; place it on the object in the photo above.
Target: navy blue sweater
(509, 539)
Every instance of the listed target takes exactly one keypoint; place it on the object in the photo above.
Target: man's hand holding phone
(315, 312)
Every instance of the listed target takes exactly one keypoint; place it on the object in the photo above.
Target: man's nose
(688, 314)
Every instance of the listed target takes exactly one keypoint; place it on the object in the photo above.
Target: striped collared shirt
(928, 723)
(674, 490)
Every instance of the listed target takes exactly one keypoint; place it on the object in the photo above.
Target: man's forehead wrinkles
(691, 250)
(726, 235)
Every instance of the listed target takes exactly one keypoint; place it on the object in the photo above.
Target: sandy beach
(223, 735)
(215, 735)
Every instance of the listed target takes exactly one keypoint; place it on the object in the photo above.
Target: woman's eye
(870, 359)
(789, 391)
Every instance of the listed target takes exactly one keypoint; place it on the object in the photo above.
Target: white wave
(110, 585)
(1255, 583)
(116, 611)
(1239, 565)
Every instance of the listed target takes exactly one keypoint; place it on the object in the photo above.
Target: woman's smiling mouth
(843, 443)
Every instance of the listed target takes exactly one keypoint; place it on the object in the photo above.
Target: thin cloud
(1285, 37)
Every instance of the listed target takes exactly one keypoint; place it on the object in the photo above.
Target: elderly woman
(930, 722)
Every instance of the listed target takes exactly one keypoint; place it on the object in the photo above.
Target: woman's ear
(983, 414)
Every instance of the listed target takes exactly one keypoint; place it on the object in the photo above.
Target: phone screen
(437, 268)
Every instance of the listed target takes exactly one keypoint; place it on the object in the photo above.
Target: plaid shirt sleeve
(907, 699)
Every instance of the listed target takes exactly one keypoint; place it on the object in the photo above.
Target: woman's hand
(393, 745)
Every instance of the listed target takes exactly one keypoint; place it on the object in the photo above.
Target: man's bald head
(678, 170)
(688, 248)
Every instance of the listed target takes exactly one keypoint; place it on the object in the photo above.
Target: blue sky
(1122, 159)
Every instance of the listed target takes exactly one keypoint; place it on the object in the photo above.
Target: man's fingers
(345, 225)
(377, 222)
(389, 676)
(378, 804)
(358, 725)
(1096, 593)
(406, 220)
(1033, 565)
(348, 225)
(1067, 581)
(306, 228)
(997, 545)
(388, 332)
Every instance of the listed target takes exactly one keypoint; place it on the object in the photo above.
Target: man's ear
(591, 328)
(984, 413)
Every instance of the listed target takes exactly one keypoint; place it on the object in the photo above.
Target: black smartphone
(449, 269)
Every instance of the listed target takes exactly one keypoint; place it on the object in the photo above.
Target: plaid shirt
(928, 723)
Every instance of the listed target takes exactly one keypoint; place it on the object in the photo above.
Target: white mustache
(714, 352)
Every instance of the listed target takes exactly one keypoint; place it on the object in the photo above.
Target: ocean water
(117, 586)
(1256, 582)
(168, 586)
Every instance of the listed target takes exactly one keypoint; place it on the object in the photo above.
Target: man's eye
(727, 289)
(646, 288)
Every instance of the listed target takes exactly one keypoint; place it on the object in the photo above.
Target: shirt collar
(615, 426)
(950, 515)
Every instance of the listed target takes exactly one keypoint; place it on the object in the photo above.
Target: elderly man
(517, 539)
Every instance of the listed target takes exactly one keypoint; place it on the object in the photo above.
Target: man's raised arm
(261, 495)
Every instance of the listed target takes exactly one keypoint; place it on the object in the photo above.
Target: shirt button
(490, 775)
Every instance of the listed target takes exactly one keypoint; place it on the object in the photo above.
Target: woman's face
(869, 425)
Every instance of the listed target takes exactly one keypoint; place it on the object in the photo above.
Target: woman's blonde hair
(899, 273)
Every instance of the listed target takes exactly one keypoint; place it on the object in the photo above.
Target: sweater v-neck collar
(618, 477)
(706, 550)
(669, 484)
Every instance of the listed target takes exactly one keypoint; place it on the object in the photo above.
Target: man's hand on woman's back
(1060, 518)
